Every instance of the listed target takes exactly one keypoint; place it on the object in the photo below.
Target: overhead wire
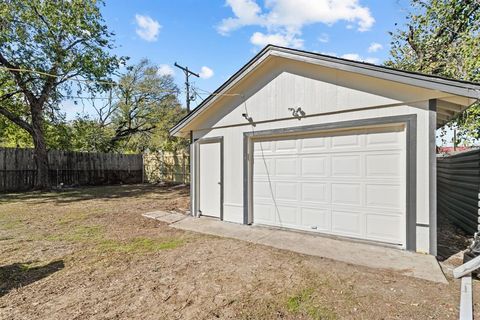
(76, 79)
(203, 91)
(115, 84)
(55, 76)
(219, 94)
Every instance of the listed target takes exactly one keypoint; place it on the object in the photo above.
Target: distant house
(310, 142)
(452, 150)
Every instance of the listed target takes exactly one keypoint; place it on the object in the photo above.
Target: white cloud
(284, 40)
(357, 57)
(324, 38)
(288, 17)
(206, 72)
(351, 56)
(165, 70)
(147, 28)
(247, 12)
(374, 47)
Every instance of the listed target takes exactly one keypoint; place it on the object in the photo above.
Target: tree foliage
(43, 46)
(442, 37)
(137, 116)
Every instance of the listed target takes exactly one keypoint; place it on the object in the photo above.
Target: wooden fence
(18, 169)
(167, 167)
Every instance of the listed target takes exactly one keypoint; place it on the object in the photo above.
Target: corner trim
(410, 122)
(432, 180)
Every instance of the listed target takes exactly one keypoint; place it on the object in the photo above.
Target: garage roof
(446, 110)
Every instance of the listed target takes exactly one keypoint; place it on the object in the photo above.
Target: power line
(56, 76)
(198, 95)
(187, 84)
(219, 94)
(78, 80)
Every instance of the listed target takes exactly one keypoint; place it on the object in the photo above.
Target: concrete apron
(412, 264)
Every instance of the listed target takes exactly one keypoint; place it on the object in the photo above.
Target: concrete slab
(374, 256)
(168, 217)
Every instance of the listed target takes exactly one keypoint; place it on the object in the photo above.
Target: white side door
(210, 179)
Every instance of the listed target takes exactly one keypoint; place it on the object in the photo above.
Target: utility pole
(187, 82)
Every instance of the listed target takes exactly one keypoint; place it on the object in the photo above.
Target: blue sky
(216, 37)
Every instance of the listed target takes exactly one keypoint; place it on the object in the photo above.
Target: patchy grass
(10, 224)
(140, 245)
(304, 303)
(80, 234)
(88, 253)
(27, 266)
(74, 217)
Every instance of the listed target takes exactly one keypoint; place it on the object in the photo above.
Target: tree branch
(13, 69)
(16, 119)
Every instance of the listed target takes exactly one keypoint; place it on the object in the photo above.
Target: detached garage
(321, 144)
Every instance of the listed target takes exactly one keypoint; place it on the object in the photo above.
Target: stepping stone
(168, 217)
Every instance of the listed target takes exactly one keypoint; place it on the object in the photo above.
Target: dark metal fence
(458, 187)
(18, 169)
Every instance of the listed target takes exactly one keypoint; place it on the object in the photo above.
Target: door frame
(198, 173)
(410, 122)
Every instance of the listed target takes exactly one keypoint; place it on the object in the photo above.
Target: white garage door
(350, 183)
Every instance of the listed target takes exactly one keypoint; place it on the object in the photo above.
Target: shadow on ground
(450, 238)
(98, 192)
(22, 274)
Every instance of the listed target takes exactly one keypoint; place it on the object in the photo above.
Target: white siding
(331, 96)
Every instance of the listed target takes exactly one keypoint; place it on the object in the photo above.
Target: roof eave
(455, 87)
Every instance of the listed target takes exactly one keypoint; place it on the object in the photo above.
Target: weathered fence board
(458, 187)
(167, 167)
(18, 169)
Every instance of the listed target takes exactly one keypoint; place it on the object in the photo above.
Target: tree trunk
(40, 153)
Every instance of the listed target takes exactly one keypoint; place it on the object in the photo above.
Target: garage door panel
(286, 145)
(315, 166)
(346, 166)
(286, 191)
(385, 227)
(286, 166)
(384, 196)
(263, 167)
(316, 218)
(345, 141)
(349, 223)
(315, 192)
(349, 184)
(393, 139)
(383, 165)
(286, 215)
(347, 194)
(263, 190)
(264, 213)
(313, 144)
(263, 146)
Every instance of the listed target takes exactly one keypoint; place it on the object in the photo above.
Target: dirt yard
(89, 254)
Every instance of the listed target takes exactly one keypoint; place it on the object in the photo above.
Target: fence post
(4, 169)
(143, 169)
(183, 168)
